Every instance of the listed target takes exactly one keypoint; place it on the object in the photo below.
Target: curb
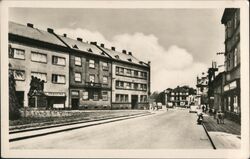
(77, 127)
(211, 141)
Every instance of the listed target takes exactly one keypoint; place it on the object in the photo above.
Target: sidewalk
(224, 136)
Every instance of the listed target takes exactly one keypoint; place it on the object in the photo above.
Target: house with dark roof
(76, 74)
(130, 80)
(38, 54)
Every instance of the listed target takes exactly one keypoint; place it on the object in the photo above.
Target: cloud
(169, 67)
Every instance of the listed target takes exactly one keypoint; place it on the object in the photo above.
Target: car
(193, 109)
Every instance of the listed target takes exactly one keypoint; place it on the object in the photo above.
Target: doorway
(20, 98)
(75, 104)
(134, 101)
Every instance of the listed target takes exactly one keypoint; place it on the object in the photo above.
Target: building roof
(227, 15)
(124, 57)
(82, 46)
(33, 33)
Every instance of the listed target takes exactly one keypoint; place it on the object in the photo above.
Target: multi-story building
(40, 54)
(202, 89)
(231, 88)
(130, 80)
(90, 75)
(77, 74)
(179, 96)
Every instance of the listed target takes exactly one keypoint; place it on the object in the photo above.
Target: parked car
(193, 109)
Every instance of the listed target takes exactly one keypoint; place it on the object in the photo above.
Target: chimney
(124, 51)
(50, 30)
(64, 35)
(130, 53)
(93, 42)
(79, 39)
(30, 25)
(102, 45)
(113, 48)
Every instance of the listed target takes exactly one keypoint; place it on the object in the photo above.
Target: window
(39, 75)
(128, 85)
(121, 70)
(78, 77)
(143, 98)
(96, 96)
(235, 104)
(121, 98)
(116, 70)
(135, 86)
(38, 57)
(85, 95)
(105, 79)
(17, 53)
(78, 61)
(58, 78)
(229, 104)
(129, 72)
(141, 74)
(105, 96)
(58, 60)
(92, 78)
(235, 57)
(19, 75)
(126, 98)
(105, 66)
(75, 93)
(136, 73)
(91, 64)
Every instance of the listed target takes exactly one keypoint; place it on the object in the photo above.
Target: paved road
(174, 129)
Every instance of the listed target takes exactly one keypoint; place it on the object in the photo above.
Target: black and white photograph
(125, 79)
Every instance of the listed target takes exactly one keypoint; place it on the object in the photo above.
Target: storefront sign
(55, 94)
(230, 86)
(58, 105)
(75, 93)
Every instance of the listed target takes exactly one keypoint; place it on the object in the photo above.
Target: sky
(180, 43)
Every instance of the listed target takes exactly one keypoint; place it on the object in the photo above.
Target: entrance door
(20, 98)
(75, 103)
(134, 101)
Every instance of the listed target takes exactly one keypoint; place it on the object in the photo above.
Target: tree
(14, 112)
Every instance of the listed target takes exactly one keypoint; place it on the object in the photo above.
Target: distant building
(202, 89)
(231, 87)
(179, 96)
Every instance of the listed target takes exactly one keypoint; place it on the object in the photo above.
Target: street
(173, 129)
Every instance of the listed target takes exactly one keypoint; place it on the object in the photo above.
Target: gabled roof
(124, 57)
(34, 33)
(82, 46)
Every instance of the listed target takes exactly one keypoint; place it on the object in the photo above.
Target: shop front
(55, 100)
(232, 103)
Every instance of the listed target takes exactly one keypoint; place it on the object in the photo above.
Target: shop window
(105, 96)
(39, 75)
(78, 77)
(92, 78)
(235, 104)
(235, 57)
(17, 53)
(56, 60)
(38, 57)
(78, 61)
(58, 79)
(91, 64)
(117, 98)
(85, 95)
(19, 75)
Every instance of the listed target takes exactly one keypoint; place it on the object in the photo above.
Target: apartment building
(75, 74)
(202, 90)
(231, 87)
(130, 80)
(39, 54)
(90, 75)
